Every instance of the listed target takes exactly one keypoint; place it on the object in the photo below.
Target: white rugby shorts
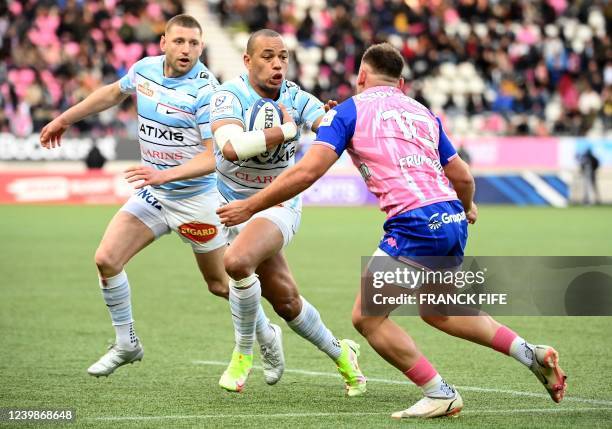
(286, 217)
(194, 219)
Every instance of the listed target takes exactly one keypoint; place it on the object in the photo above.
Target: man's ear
(362, 76)
(162, 43)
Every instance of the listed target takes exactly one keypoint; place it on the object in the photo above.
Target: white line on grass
(386, 381)
(304, 415)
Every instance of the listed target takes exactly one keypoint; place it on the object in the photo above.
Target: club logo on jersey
(149, 199)
(198, 232)
(143, 88)
(328, 118)
(434, 223)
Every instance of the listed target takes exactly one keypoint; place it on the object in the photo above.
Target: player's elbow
(308, 177)
(464, 180)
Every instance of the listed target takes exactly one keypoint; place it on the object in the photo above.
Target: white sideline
(386, 381)
(290, 415)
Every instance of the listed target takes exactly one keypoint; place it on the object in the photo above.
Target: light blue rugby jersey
(237, 180)
(173, 119)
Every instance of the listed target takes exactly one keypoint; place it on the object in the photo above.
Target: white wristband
(289, 130)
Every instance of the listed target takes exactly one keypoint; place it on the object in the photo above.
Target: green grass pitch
(53, 325)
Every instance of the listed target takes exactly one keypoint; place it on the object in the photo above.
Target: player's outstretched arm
(200, 165)
(316, 162)
(99, 100)
(237, 144)
(459, 175)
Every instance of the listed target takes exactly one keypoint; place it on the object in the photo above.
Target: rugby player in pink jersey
(409, 163)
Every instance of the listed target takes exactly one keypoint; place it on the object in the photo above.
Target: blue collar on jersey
(245, 78)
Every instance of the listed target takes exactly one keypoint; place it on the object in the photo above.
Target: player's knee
(237, 266)
(218, 288)
(359, 322)
(108, 264)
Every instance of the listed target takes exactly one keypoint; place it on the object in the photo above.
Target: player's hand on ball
(51, 134)
(234, 213)
(472, 215)
(147, 176)
(330, 105)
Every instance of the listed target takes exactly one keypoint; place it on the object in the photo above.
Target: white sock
(522, 351)
(438, 388)
(308, 325)
(116, 294)
(265, 334)
(244, 298)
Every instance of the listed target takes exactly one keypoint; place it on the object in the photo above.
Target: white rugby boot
(273, 357)
(433, 407)
(546, 368)
(114, 358)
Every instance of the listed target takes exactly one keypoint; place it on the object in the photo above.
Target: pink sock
(502, 340)
(421, 372)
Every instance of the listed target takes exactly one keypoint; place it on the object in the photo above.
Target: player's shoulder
(293, 88)
(344, 112)
(238, 86)
(202, 76)
(151, 64)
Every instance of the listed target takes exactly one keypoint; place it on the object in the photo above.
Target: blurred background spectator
(519, 67)
(487, 67)
(54, 53)
(588, 170)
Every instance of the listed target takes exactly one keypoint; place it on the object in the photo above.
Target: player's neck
(170, 73)
(264, 92)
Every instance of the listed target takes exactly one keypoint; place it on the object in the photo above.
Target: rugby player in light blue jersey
(248, 160)
(173, 102)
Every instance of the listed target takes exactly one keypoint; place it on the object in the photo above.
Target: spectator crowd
(492, 67)
(54, 53)
(488, 67)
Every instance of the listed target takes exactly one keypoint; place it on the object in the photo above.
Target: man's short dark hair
(266, 32)
(184, 20)
(384, 59)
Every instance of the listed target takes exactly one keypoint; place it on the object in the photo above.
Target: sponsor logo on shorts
(149, 198)
(436, 221)
(198, 232)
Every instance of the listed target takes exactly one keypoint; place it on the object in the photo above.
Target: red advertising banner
(89, 187)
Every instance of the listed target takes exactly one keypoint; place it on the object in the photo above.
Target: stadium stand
(54, 53)
(494, 68)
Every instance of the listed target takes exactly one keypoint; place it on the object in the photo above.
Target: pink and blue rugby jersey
(397, 144)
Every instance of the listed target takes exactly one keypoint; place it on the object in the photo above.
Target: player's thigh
(124, 237)
(213, 271)
(259, 240)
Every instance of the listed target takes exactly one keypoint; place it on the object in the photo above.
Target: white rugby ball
(264, 114)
